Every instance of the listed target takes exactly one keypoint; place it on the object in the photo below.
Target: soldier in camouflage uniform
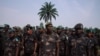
(49, 42)
(4, 36)
(39, 32)
(30, 42)
(63, 51)
(11, 45)
(92, 44)
(19, 36)
(78, 42)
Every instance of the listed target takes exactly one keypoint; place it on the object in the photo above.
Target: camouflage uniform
(92, 43)
(78, 42)
(10, 46)
(63, 45)
(48, 44)
(21, 45)
(78, 46)
(29, 45)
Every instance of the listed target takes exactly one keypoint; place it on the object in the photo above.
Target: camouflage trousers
(9, 53)
(47, 53)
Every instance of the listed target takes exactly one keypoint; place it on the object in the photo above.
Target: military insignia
(16, 40)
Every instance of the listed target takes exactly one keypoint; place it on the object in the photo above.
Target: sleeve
(57, 38)
(17, 42)
(35, 37)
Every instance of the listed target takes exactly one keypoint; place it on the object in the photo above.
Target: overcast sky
(71, 12)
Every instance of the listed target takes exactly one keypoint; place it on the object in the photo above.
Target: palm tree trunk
(50, 20)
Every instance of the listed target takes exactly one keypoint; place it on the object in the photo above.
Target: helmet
(89, 31)
(11, 31)
(28, 28)
(60, 28)
(78, 26)
(6, 26)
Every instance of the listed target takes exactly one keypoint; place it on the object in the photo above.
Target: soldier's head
(28, 25)
(49, 27)
(11, 33)
(59, 30)
(79, 28)
(41, 30)
(29, 30)
(6, 27)
(89, 33)
(73, 31)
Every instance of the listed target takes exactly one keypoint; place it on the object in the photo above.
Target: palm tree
(47, 12)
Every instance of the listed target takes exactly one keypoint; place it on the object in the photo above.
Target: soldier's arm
(57, 48)
(57, 45)
(22, 42)
(35, 48)
(96, 47)
(17, 49)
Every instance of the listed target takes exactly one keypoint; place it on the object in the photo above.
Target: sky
(71, 12)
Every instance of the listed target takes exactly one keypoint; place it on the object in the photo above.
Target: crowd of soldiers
(47, 42)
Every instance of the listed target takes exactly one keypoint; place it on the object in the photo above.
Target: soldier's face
(11, 34)
(80, 31)
(50, 28)
(90, 34)
(59, 31)
(41, 30)
(30, 31)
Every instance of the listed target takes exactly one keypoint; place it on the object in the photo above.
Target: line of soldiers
(47, 42)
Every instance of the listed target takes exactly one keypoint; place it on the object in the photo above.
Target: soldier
(68, 32)
(78, 42)
(39, 32)
(63, 42)
(4, 36)
(30, 42)
(92, 44)
(49, 42)
(19, 36)
(11, 45)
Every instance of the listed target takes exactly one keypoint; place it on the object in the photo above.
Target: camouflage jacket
(29, 43)
(10, 46)
(48, 44)
(78, 46)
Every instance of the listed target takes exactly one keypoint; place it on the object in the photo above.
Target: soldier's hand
(34, 54)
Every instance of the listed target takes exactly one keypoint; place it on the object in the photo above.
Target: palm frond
(47, 12)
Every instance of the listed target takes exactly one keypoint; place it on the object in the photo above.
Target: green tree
(47, 12)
